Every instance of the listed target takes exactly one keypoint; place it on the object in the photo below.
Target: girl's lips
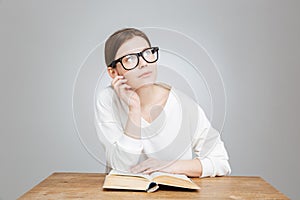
(144, 74)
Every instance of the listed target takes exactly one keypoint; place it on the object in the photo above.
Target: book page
(126, 180)
(122, 173)
(115, 181)
(177, 180)
(179, 176)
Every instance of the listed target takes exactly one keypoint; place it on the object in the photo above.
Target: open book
(129, 181)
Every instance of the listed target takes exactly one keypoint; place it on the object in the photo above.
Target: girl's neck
(147, 94)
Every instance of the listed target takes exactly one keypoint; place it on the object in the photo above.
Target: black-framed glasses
(131, 61)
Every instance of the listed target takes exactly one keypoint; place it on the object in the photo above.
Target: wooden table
(89, 186)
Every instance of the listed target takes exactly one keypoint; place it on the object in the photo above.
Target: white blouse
(181, 131)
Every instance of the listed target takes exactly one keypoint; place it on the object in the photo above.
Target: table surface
(89, 186)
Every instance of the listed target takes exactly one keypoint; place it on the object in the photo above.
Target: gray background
(255, 45)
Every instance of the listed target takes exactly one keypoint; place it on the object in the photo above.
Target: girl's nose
(142, 63)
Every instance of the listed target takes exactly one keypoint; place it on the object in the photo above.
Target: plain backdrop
(255, 45)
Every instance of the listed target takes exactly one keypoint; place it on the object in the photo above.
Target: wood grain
(89, 186)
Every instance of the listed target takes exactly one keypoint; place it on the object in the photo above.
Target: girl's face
(145, 73)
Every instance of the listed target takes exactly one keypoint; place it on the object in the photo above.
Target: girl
(147, 126)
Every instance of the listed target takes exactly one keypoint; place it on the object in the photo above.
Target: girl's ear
(112, 72)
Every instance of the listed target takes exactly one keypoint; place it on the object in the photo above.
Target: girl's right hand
(125, 92)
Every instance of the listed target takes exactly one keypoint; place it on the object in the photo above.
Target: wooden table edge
(97, 174)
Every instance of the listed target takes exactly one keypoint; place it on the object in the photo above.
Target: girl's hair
(115, 41)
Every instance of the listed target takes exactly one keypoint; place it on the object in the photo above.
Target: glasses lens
(150, 55)
(130, 61)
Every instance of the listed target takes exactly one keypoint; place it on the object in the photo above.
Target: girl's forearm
(192, 168)
(133, 125)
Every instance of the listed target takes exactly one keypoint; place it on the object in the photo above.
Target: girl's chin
(143, 84)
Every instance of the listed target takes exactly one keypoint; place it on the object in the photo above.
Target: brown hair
(115, 41)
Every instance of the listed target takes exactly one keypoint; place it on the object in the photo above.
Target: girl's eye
(128, 59)
(147, 52)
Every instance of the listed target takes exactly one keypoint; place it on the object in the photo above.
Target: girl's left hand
(152, 165)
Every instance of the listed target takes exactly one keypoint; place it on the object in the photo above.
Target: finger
(139, 168)
(149, 163)
(117, 79)
(124, 86)
(150, 171)
(113, 82)
(119, 83)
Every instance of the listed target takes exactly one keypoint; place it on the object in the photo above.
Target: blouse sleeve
(121, 151)
(210, 149)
